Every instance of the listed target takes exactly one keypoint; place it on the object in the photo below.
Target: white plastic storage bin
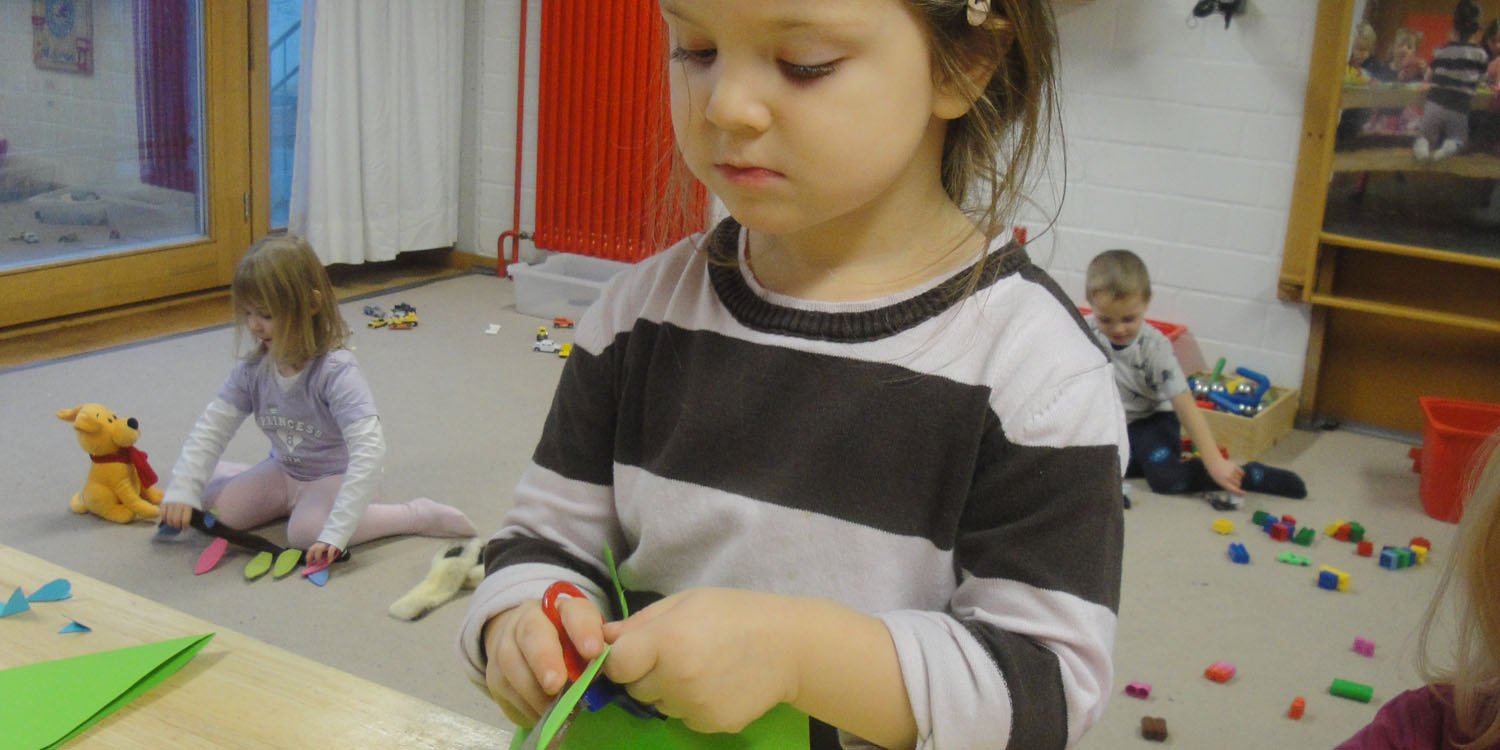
(563, 285)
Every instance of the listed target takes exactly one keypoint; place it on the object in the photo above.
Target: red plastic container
(1452, 432)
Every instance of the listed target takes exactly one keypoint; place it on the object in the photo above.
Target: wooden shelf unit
(1389, 321)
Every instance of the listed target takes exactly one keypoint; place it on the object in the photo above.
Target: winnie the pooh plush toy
(120, 483)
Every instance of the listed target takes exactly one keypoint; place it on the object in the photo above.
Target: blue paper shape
(75, 626)
(319, 577)
(55, 590)
(163, 531)
(209, 520)
(16, 604)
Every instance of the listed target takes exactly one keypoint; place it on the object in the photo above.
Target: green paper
(612, 728)
(568, 701)
(258, 565)
(45, 704)
(614, 576)
(286, 561)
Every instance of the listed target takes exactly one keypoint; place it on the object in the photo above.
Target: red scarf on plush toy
(133, 456)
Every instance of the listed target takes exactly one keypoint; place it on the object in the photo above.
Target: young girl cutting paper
(854, 452)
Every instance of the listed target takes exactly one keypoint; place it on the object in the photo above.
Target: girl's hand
(715, 658)
(321, 551)
(176, 515)
(524, 670)
(1225, 474)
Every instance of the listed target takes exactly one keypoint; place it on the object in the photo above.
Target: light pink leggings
(246, 498)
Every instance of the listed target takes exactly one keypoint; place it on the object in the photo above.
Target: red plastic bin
(1452, 432)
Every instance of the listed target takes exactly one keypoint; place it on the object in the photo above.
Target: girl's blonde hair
(990, 151)
(1473, 568)
(282, 276)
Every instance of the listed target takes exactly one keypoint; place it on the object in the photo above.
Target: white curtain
(375, 169)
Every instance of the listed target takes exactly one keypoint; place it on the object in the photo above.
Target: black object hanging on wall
(1230, 9)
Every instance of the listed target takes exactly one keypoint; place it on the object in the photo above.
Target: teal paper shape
(16, 604)
(75, 626)
(54, 590)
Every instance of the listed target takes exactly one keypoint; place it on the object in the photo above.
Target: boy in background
(1157, 401)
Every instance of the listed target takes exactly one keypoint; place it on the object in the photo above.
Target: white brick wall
(494, 189)
(1181, 144)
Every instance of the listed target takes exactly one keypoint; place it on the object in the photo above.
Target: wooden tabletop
(237, 692)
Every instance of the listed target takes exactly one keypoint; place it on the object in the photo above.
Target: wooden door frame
(74, 287)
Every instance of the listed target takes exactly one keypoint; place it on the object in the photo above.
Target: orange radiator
(604, 142)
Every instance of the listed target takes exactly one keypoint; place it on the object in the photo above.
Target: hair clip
(979, 11)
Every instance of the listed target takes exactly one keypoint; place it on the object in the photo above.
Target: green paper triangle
(258, 565)
(45, 704)
(286, 561)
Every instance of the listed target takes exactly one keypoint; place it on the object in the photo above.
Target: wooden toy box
(1247, 437)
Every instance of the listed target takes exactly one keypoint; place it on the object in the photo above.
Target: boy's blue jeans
(1155, 453)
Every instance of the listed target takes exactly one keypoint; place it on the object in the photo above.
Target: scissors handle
(573, 660)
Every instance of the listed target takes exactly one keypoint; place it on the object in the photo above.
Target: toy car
(409, 320)
(377, 322)
(562, 322)
(567, 348)
(402, 307)
(547, 346)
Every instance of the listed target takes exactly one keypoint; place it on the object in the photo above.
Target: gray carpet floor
(462, 409)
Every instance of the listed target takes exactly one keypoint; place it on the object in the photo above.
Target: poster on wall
(63, 35)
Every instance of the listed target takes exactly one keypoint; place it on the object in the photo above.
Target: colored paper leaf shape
(258, 565)
(45, 704)
(211, 556)
(54, 590)
(318, 577)
(16, 603)
(286, 561)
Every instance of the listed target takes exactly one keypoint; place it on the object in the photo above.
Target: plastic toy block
(1341, 532)
(1260, 517)
(1418, 554)
(1278, 531)
(1332, 529)
(1388, 558)
(1299, 704)
(1356, 532)
(1333, 579)
(1223, 526)
(1138, 689)
(1238, 554)
(1219, 671)
(1292, 558)
(1154, 728)
(1289, 519)
(1364, 646)
(1304, 537)
(1354, 691)
(1365, 548)
(1420, 541)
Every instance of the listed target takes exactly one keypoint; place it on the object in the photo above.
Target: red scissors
(600, 691)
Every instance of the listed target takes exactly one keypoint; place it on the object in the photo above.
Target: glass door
(124, 148)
